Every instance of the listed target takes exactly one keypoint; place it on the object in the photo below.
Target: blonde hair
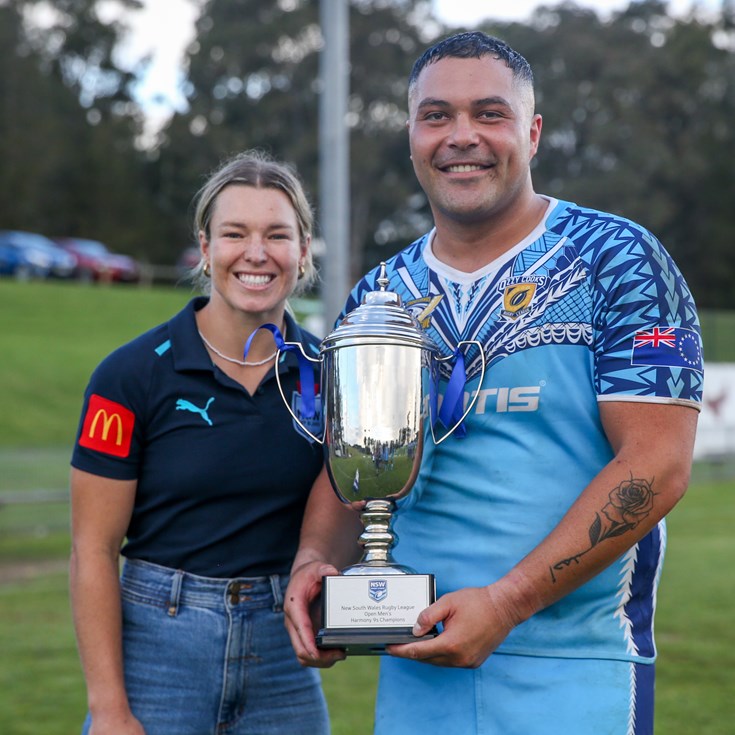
(257, 169)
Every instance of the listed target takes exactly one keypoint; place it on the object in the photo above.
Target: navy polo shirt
(223, 476)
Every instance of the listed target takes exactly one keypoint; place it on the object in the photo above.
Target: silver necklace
(243, 363)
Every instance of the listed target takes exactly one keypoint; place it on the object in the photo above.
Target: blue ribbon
(306, 371)
(452, 407)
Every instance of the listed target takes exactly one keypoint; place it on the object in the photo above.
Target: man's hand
(475, 620)
(302, 608)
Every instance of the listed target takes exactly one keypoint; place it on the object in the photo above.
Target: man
(544, 524)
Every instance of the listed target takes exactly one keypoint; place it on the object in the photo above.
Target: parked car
(20, 263)
(95, 262)
(27, 255)
(188, 260)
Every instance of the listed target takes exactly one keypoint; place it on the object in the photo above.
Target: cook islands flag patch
(675, 347)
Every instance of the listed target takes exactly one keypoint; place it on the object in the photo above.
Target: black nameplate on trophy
(363, 613)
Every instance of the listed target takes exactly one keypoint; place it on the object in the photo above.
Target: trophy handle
(472, 402)
(293, 346)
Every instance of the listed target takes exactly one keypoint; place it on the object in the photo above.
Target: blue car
(26, 255)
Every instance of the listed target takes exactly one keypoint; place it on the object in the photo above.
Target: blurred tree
(386, 201)
(68, 127)
(637, 109)
(253, 82)
(636, 121)
(73, 41)
(251, 76)
(636, 116)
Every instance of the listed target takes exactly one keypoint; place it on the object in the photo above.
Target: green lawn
(52, 336)
(694, 630)
(39, 672)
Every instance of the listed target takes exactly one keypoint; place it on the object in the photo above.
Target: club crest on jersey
(518, 293)
(312, 423)
(378, 589)
(423, 308)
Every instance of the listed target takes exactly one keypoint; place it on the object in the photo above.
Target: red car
(96, 263)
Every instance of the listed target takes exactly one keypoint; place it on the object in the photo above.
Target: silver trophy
(379, 370)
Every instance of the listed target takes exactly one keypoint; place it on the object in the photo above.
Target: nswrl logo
(378, 589)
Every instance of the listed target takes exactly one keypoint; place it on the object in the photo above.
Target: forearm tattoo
(629, 504)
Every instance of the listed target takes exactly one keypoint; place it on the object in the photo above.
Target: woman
(188, 464)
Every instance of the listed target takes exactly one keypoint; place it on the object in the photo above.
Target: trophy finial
(383, 278)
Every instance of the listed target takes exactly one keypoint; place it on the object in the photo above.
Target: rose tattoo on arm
(629, 503)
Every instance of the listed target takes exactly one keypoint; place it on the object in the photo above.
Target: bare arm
(647, 476)
(328, 543)
(101, 510)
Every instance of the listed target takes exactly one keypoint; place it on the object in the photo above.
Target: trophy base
(361, 642)
(364, 613)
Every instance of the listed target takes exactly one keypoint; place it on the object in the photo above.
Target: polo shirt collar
(188, 350)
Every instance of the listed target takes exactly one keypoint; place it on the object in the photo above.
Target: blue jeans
(207, 655)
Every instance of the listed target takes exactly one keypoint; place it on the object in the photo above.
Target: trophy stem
(377, 539)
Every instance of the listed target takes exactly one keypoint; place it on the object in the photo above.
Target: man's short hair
(472, 45)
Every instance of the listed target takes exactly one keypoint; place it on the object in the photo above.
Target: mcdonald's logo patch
(108, 427)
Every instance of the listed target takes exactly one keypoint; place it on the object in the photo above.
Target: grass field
(41, 688)
(51, 337)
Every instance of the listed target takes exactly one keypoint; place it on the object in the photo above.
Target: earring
(206, 269)
(302, 271)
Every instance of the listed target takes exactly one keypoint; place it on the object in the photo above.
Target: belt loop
(277, 594)
(173, 603)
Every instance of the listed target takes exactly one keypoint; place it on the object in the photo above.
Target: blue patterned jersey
(588, 308)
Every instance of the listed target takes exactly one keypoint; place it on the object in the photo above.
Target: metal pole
(334, 176)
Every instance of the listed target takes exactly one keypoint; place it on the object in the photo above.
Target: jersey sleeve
(110, 432)
(647, 338)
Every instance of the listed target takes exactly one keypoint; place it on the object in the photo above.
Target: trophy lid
(380, 318)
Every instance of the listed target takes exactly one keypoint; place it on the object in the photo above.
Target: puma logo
(183, 405)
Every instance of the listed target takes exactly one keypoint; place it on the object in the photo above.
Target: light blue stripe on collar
(163, 347)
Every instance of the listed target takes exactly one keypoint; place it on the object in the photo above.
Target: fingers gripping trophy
(379, 373)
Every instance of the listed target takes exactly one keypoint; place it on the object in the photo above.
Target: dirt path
(23, 571)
